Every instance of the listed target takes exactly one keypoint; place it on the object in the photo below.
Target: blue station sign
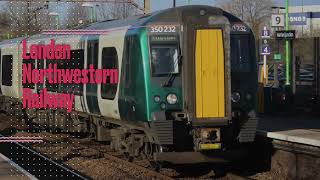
(299, 18)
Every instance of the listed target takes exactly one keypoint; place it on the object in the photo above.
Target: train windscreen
(240, 53)
(164, 59)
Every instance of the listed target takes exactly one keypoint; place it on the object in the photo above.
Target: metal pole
(265, 75)
(174, 3)
(94, 12)
(58, 21)
(146, 6)
(303, 13)
(287, 46)
(91, 14)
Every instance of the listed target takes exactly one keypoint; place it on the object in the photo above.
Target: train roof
(136, 21)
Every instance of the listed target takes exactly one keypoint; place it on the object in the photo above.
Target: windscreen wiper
(172, 76)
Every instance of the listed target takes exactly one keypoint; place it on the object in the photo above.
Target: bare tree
(116, 10)
(27, 17)
(77, 15)
(255, 13)
(4, 25)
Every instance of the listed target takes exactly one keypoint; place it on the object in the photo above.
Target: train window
(40, 65)
(27, 62)
(240, 53)
(49, 86)
(127, 60)
(109, 61)
(76, 61)
(164, 59)
(7, 70)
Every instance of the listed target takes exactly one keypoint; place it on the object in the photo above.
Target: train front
(191, 84)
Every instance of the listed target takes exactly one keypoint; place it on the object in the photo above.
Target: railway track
(45, 166)
(150, 173)
(234, 176)
(37, 164)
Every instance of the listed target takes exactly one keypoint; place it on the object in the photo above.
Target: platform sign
(287, 35)
(299, 18)
(265, 49)
(277, 20)
(265, 34)
(277, 57)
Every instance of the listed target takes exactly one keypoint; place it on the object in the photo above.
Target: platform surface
(298, 129)
(11, 171)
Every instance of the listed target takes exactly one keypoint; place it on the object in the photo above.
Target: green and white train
(187, 83)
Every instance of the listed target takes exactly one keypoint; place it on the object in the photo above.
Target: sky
(163, 4)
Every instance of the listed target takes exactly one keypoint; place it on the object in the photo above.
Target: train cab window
(164, 59)
(27, 62)
(109, 61)
(7, 70)
(240, 53)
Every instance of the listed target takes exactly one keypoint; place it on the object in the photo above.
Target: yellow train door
(210, 74)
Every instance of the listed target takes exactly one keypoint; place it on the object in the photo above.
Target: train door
(91, 90)
(110, 48)
(210, 74)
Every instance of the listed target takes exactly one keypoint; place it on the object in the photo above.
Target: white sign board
(277, 20)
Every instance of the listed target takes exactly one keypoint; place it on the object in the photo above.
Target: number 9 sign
(277, 20)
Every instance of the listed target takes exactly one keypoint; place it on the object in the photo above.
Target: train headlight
(163, 106)
(172, 98)
(157, 99)
(235, 97)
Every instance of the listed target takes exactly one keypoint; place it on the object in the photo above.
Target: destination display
(163, 38)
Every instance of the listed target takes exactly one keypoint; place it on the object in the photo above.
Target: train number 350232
(163, 29)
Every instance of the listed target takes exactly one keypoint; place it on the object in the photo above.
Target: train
(187, 83)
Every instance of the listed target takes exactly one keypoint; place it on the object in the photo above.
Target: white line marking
(18, 167)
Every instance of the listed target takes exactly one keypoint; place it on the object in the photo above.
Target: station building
(305, 20)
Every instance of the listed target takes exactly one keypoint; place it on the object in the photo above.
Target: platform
(11, 171)
(297, 129)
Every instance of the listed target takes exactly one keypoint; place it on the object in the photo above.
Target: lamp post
(287, 46)
(56, 15)
(91, 6)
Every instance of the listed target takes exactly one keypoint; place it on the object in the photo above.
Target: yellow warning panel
(210, 146)
(210, 74)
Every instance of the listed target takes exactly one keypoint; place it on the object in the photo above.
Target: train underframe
(160, 140)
